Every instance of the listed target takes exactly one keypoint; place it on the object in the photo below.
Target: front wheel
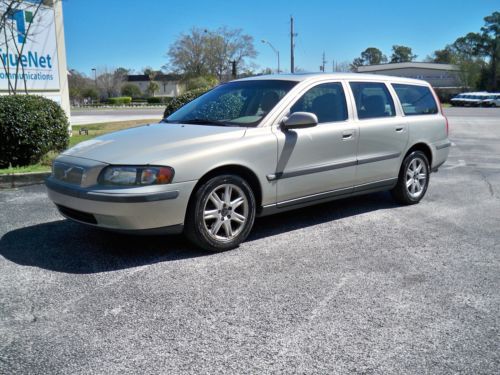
(413, 179)
(221, 214)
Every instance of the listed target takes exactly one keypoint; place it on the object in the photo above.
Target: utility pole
(234, 73)
(323, 63)
(292, 46)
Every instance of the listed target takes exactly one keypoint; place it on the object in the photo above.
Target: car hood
(153, 143)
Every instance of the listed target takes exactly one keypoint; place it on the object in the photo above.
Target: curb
(15, 180)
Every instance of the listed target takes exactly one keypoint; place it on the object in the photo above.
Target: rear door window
(416, 100)
(373, 100)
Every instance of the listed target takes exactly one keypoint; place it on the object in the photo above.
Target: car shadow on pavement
(321, 213)
(64, 246)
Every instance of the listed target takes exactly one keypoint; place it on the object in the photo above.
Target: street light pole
(275, 51)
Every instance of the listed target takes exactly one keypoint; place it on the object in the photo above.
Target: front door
(320, 161)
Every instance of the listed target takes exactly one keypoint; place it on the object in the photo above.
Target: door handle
(348, 134)
(399, 129)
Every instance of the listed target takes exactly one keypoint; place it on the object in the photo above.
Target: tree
(153, 87)
(442, 56)
(356, 63)
(91, 93)
(206, 82)
(109, 81)
(188, 53)
(204, 52)
(343, 66)
(478, 55)
(402, 54)
(78, 84)
(129, 89)
(490, 46)
(373, 56)
(370, 56)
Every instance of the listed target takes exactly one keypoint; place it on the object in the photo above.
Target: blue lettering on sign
(29, 60)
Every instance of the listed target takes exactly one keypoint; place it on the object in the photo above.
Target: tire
(220, 224)
(413, 179)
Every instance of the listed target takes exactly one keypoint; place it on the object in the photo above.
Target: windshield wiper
(203, 121)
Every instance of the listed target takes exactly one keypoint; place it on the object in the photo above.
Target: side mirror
(299, 120)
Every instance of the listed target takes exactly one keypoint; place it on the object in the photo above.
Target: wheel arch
(425, 148)
(236, 169)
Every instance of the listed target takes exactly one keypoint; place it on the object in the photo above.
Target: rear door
(383, 134)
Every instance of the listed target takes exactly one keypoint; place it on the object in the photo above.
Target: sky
(137, 34)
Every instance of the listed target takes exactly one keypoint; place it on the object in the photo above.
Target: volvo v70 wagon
(255, 147)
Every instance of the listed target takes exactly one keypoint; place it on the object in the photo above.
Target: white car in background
(492, 100)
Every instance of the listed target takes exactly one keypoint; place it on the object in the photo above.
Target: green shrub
(91, 93)
(167, 99)
(129, 89)
(120, 100)
(175, 103)
(30, 127)
(159, 99)
(201, 82)
(155, 100)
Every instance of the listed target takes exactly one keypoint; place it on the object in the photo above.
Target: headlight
(136, 176)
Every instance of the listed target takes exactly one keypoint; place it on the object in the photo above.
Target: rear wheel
(413, 179)
(221, 214)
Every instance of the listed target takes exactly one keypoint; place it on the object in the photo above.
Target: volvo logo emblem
(66, 173)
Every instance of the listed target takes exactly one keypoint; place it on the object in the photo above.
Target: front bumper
(141, 209)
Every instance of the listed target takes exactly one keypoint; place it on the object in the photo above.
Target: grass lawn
(94, 131)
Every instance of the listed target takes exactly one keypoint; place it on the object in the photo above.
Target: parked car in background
(492, 100)
(457, 101)
(255, 147)
(471, 99)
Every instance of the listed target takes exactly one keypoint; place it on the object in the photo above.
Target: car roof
(300, 77)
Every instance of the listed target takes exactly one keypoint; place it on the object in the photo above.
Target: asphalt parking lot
(355, 286)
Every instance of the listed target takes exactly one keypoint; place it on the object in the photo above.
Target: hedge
(120, 100)
(181, 100)
(30, 127)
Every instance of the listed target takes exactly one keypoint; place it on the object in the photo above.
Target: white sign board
(29, 53)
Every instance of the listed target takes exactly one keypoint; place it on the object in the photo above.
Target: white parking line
(461, 163)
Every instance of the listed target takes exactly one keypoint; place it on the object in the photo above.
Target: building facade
(441, 76)
(169, 84)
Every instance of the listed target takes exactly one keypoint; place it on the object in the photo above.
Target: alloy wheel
(416, 177)
(225, 212)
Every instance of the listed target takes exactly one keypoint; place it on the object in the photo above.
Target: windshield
(241, 103)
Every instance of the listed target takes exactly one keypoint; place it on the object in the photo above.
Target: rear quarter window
(416, 100)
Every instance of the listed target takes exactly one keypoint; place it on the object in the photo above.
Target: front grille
(77, 215)
(70, 174)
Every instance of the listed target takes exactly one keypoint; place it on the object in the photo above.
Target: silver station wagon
(254, 147)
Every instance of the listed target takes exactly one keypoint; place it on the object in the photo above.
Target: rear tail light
(447, 125)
